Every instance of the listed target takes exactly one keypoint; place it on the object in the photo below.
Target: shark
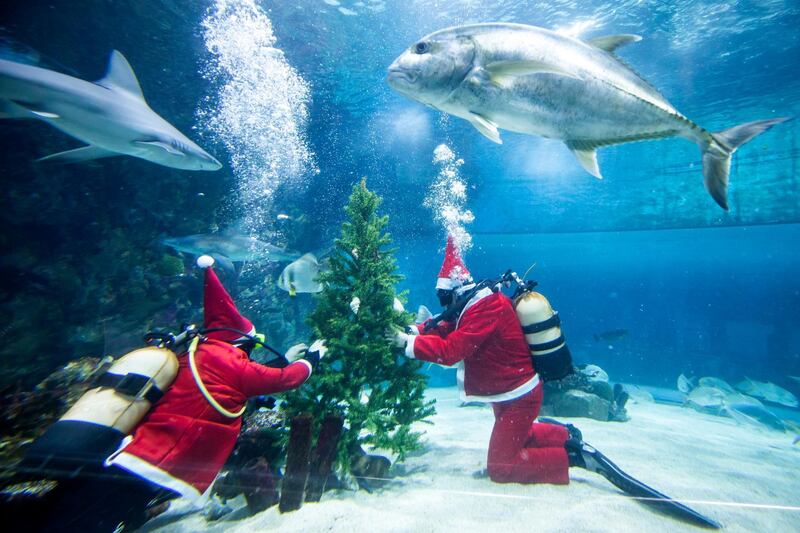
(110, 115)
(230, 245)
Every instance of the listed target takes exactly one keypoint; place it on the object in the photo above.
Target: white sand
(744, 477)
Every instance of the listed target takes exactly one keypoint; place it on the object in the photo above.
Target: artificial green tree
(363, 378)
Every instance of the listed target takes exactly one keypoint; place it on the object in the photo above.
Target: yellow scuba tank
(126, 392)
(542, 327)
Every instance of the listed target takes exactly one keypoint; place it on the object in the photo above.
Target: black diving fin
(606, 468)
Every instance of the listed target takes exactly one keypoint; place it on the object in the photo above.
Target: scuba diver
(505, 349)
(484, 336)
(182, 442)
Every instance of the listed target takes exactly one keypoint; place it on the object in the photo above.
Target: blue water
(291, 97)
(720, 301)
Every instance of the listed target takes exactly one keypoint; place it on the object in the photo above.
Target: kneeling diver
(182, 443)
(503, 355)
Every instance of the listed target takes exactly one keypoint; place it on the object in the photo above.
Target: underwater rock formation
(585, 393)
(24, 415)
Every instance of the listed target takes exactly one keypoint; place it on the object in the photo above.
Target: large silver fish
(535, 81)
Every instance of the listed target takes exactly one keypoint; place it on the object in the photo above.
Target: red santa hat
(453, 273)
(219, 311)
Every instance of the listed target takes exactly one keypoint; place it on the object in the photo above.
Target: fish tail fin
(717, 154)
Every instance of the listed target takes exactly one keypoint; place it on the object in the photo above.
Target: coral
(169, 265)
(24, 415)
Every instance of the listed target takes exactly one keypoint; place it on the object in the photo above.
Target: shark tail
(717, 152)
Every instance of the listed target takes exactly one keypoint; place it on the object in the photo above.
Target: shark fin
(120, 76)
(502, 72)
(9, 109)
(486, 127)
(610, 43)
(164, 146)
(14, 109)
(587, 157)
(44, 114)
(78, 155)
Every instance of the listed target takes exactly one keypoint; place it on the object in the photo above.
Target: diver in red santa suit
(182, 443)
(495, 366)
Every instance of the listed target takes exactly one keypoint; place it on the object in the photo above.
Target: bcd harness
(140, 386)
(551, 358)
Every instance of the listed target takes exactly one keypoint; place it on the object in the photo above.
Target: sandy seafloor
(745, 477)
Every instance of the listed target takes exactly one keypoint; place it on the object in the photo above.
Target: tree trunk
(323, 456)
(294, 480)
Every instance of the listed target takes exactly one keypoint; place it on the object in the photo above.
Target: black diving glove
(313, 354)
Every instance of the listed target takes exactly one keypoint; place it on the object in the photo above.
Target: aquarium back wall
(649, 305)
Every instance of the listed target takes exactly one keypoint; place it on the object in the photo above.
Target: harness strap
(547, 345)
(200, 385)
(536, 327)
(131, 384)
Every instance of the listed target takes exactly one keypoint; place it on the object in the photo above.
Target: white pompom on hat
(205, 261)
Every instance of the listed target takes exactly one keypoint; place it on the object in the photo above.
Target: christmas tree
(363, 378)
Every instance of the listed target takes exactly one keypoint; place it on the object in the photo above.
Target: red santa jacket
(488, 338)
(183, 442)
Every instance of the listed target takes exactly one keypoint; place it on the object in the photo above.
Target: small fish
(594, 373)
(639, 394)
(685, 384)
(283, 216)
(706, 398)
(767, 391)
(423, 314)
(732, 398)
(796, 378)
(611, 335)
(397, 305)
(300, 276)
(716, 383)
(754, 414)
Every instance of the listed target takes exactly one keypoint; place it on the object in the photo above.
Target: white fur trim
(480, 295)
(205, 261)
(250, 333)
(110, 459)
(410, 346)
(414, 329)
(310, 369)
(152, 473)
(445, 283)
(502, 397)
